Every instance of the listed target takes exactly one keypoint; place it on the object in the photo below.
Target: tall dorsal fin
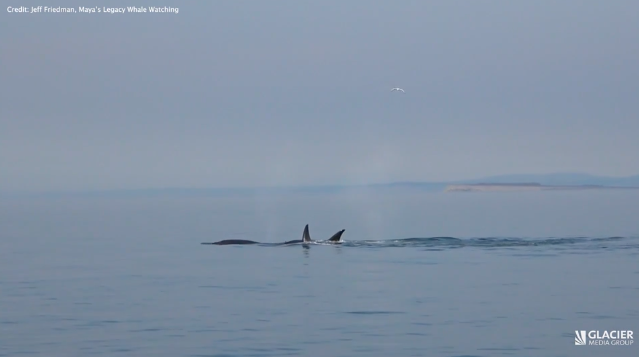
(306, 237)
(337, 236)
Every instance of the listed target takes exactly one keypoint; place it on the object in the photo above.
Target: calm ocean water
(488, 274)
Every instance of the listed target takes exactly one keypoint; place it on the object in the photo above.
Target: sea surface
(418, 274)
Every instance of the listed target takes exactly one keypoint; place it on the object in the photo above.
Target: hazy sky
(273, 92)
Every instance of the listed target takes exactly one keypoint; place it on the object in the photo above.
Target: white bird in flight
(397, 89)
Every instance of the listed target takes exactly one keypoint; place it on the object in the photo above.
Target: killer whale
(306, 239)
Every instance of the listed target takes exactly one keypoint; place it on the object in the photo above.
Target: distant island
(487, 187)
(556, 179)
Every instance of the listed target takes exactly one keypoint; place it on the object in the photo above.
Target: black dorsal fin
(306, 237)
(337, 236)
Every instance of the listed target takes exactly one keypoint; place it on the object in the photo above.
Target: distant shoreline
(502, 187)
(501, 183)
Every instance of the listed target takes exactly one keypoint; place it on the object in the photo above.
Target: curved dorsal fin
(337, 236)
(306, 237)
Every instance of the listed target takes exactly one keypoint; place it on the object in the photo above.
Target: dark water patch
(373, 312)
(475, 322)
(551, 319)
(421, 334)
(519, 242)
(422, 324)
(364, 349)
(207, 330)
(122, 350)
(229, 287)
(438, 242)
(304, 296)
(150, 329)
(532, 255)
(373, 334)
(607, 239)
(320, 342)
(414, 262)
(603, 317)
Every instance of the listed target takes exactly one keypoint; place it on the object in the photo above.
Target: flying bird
(397, 89)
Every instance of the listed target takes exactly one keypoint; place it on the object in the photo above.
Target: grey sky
(237, 93)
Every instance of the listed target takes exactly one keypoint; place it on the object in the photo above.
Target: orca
(336, 238)
(306, 239)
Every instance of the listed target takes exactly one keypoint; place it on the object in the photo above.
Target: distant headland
(486, 187)
(544, 182)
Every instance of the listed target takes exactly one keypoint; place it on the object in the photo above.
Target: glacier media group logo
(604, 338)
(580, 338)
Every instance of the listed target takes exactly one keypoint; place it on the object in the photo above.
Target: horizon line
(293, 187)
